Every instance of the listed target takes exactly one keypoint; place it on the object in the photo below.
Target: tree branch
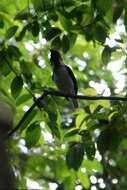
(82, 97)
(22, 120)
(39, 103)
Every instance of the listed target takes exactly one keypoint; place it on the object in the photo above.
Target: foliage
(57, 144)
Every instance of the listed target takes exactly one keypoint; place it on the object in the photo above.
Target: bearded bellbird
(63, 77)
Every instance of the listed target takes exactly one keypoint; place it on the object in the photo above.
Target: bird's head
(55, 57)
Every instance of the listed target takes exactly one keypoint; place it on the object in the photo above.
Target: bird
(63, 77)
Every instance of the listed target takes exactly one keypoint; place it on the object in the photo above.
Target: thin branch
(22, 120)
(82, 97)
(37, 103)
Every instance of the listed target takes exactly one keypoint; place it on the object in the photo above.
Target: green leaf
(11, 32)
(72, 39)
(33, 134)
(80, 121)
(16, 86)
(100, 32)
(69, 182)
(104, 103)
(90, 92)
(74, 156)
(13, 52)
(4, 68)
(108, 139)
(88, 164)
(21, 34)
(117, 12)
(87, 16)
(106, 55)
(1, 23)
(22, 15)
(42, 6)
(39, 5)
(35, 28)
(65, 43)
(90, 149)
(26, 70)
(65, 22)
(51, 32)
(98, 166)
(22, 99)
(54, 122)
(72, 132)
(29, 119)
(89, 145)
(84, 179)
(93, 166)
(103, 6)
(56, 43)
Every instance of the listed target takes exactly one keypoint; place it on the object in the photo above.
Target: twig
(22, 120)
(36, 103)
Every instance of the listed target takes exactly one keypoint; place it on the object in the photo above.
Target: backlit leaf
(33, 134)
(84, 179)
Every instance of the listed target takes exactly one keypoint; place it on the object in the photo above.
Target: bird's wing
(73, 78)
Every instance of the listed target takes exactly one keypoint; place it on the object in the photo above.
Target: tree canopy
(52, 145)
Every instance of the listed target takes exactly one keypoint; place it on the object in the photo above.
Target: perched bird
(63, 77)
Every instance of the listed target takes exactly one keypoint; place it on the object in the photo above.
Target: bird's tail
(74, 103)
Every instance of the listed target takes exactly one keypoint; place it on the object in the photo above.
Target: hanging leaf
(106, 55)
(1, 23)
(28, 120)
(11, 32)
(72, 39)
(51, 32)
(21, 34)
(16, 86)
(65, 22)
(103, 6)
(4, 68)
(108, 140)
(117, 12)
(89, 145)
(75, 155)
(65, 43)
(26, 71)
(84, 179)
(13, 52)
(100, 32)
(22, 15)
(35, 28)
(33, 134)
(54, 121)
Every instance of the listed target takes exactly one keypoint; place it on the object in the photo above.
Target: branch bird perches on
(38, 103)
